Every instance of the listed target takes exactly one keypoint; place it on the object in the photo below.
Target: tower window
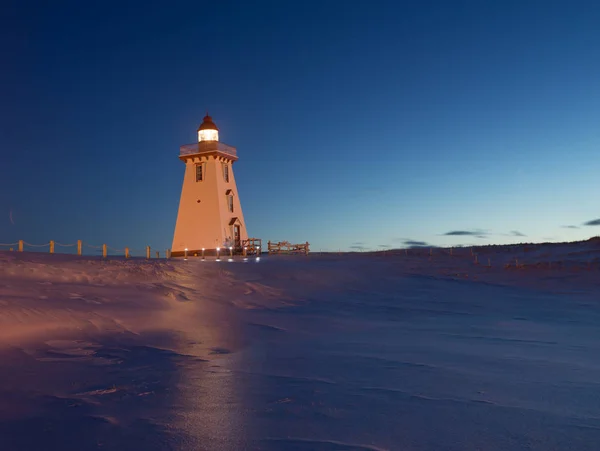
(198, 172)
(226, 172)
(230, 203)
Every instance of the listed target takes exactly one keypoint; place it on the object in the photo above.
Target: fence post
(20, 245)
(307, 248)
(148, 252)
(168, 253)
(104, 250)
(450, 251)
(230, 251)
(244, 252)
(78, 247)
(269, 246)
(157, 254)
(126, 252)
(476, 260)
(52, 246)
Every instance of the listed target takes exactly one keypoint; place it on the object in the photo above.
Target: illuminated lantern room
(208, 131)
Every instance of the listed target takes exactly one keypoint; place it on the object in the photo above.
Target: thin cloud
(459, 233)
(358, 243)
(475, 233)
(516, 233)
(414, 243)
(385, 246)
(570, 227)
(594, 222)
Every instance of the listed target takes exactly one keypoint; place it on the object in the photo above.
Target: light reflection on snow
(425, 354)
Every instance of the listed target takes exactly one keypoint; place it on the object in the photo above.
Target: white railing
(206, 147)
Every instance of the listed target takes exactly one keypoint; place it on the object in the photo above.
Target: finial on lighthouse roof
(208, 130)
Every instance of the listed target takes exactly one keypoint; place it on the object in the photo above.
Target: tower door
(237, 236)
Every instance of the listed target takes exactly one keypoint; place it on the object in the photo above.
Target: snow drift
(382, 351)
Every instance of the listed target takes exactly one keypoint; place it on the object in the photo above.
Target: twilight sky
(358, 125)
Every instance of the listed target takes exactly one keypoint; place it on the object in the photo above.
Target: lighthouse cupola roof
(208, 124)
(208, 130)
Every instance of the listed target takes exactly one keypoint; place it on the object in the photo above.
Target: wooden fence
(251, 246)
(52, 245)
(285, 247)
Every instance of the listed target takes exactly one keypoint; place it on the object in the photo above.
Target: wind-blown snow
(326, 352)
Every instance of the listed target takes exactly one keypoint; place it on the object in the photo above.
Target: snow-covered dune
(391, 350)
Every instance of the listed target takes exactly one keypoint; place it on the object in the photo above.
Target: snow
(326, 352)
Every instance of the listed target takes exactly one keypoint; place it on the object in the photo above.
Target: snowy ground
(348, 352)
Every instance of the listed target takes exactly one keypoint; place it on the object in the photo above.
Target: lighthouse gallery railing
(207, 146)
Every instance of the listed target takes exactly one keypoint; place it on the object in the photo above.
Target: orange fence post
(20, 245)
(78, 247)
(104, 250)
(52, 246)
(126, 252)
(148, 252)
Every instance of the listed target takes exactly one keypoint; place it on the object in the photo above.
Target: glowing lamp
(208, 131)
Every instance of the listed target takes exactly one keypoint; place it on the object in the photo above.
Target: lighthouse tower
(210, 213)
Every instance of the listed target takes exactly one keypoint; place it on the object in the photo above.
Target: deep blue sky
(357, 124)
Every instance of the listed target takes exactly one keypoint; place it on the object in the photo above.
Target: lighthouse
(210, 213)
